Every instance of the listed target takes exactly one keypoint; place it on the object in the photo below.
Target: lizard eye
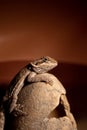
(29, 68)
(45, 59)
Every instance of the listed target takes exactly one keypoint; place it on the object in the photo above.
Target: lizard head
(43, 64)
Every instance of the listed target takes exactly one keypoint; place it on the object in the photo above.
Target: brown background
(29, 30)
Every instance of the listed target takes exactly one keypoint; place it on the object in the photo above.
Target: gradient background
(29, 30)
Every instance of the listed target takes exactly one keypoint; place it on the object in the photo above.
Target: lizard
(35, 71)
(38, 66)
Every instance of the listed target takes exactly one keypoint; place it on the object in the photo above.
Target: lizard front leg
(44, 77)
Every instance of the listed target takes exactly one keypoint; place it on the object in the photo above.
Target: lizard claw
(18, 111)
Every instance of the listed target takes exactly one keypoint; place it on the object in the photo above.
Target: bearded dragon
(38, 66)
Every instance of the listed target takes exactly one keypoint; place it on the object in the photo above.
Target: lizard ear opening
(36, 68)
(33, 65)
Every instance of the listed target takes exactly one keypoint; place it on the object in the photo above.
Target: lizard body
(34, 68)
